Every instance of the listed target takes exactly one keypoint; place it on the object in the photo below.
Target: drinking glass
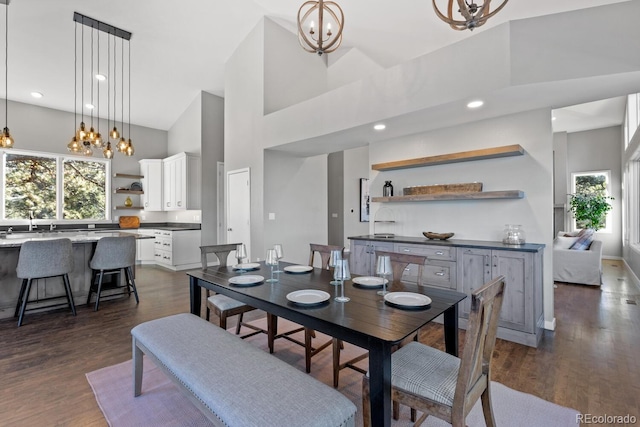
(342, 273)
(383, 268)
(241, 252)
(333, 259)
(272, 261)
(280, 254)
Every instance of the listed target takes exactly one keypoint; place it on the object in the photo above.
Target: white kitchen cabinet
(145, 248)
(177, 250)
(151, 170)
(181, 182)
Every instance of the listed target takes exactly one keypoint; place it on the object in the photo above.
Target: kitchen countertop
(15, 240)
(483, 244)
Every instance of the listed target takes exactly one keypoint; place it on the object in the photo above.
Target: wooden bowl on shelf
(437, 236)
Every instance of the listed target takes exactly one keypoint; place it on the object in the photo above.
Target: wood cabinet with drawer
(439, 270)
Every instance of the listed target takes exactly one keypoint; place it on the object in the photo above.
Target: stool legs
(130, 284)
(128, 272)
(24, 297)
(67, 287)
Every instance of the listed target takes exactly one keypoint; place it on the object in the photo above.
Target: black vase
(387, 189)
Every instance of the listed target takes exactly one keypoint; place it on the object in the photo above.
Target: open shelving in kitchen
(127, 190)
(464, 156)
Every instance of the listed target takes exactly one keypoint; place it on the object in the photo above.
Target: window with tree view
(54, 187)
(591, 190)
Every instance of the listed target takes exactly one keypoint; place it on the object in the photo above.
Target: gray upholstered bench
(233, 382)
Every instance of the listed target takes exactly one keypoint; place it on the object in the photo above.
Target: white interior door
(239, 207)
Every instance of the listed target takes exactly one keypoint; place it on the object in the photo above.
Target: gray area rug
(162, 403)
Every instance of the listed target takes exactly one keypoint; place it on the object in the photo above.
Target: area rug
(162, 404)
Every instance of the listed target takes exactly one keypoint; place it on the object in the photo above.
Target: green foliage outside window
(31, 186)
(589, 204)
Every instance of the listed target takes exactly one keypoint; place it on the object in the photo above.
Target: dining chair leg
(307, 349)
(336, 361)
(67, 288)
(132, 280)
(239, 323)
(485, 397)
(20, 297)
(100, 277)
(25, 298)
(223, 321)
(366, 402)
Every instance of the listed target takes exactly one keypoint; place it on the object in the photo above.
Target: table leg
(272, 330)
(451, 330)
(380, 384)
(195, 293)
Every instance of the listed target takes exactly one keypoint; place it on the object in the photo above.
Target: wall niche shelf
(464, 156)
(128, 208)
(123, 191)
(482, 195)
(127, 175)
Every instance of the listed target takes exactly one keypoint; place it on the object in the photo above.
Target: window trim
(60, 159)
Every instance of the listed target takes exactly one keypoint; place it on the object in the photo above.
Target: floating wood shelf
(124, 191)
(483, 195)
(128, 176)
(464, 156)
(129, 207)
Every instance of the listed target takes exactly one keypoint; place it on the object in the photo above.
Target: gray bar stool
(112, 255)
(40, 259)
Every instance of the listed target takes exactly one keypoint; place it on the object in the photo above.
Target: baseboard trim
(631, 274)
(550, 325)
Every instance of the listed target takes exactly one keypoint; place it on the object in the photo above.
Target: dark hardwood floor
(591, 362)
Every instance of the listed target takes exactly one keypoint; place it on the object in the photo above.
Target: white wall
(356, 166)
(478, 219)
(186, 133)
(335, 184)
(212, 152)
(296, 192)
(596, 150)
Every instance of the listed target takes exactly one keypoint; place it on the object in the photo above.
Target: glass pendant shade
(86, 150)
(97, 142)
(129, 151)
(74, 146)
(82, 133)
(91, 135)
(6, 141)
(122, 145)
(108, 152)
(114, 133)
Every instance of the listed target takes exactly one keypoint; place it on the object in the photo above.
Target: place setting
(242, 267)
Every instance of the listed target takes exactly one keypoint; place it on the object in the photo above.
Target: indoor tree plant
(590, 209)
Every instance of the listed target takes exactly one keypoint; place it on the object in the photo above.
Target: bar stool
(40, 259)
(113, 255)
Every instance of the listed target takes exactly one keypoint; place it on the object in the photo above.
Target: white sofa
(574, 266)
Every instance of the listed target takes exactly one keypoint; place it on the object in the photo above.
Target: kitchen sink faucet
(32, 226)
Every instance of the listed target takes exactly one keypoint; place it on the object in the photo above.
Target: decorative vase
(128, 202)
(513, 235)
(387, 189)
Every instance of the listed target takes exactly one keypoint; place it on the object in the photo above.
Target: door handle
(439, 253)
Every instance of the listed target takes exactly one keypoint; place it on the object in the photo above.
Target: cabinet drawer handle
(168, 204)
(407, 250)
(439, 253)
(179, 203)
(440, 273)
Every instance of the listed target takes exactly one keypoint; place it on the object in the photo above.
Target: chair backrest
(325, 253)
(474, 374)
(114, 252)
(221, 251)
(399, 263)
(45, 258)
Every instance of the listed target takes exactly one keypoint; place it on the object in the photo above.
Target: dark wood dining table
(365, 321)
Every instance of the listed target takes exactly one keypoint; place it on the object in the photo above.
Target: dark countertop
(169, 226)
(482, 244)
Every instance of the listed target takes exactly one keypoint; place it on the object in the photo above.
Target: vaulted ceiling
(180, 48)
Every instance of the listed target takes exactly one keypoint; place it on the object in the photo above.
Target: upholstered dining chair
(399, 263)
(443, 385)
(112, 256)
(40, 259)
(222, 305)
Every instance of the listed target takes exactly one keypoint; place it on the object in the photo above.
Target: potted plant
(590, 209)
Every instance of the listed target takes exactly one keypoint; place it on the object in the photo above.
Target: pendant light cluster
(85, 141)
(6, 140)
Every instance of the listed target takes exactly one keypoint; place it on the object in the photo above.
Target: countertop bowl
(437, 236)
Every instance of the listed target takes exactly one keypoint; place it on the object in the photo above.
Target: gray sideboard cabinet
(465, 265)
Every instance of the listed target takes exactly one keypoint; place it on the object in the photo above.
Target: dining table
(367, 320)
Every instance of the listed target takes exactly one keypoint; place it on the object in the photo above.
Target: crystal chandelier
(84, 141)
(472, 14)
(325, 38)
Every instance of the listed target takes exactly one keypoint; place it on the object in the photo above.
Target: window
(54, 187)
(591, 182)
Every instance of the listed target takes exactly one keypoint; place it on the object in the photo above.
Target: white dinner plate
(308, 296)
(246, 280)
(297, 269)
(369, 281)
(407, 300)
(247, 266)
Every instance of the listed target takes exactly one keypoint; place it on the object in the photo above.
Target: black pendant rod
(101, 26)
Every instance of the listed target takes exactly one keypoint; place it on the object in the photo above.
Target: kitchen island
(464, 266)
(83, 243)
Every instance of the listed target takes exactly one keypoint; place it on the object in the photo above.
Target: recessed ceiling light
(380, 126)
(553, 117)
(475, 104)
(89, 106)
(37, 94)
(101, 77)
